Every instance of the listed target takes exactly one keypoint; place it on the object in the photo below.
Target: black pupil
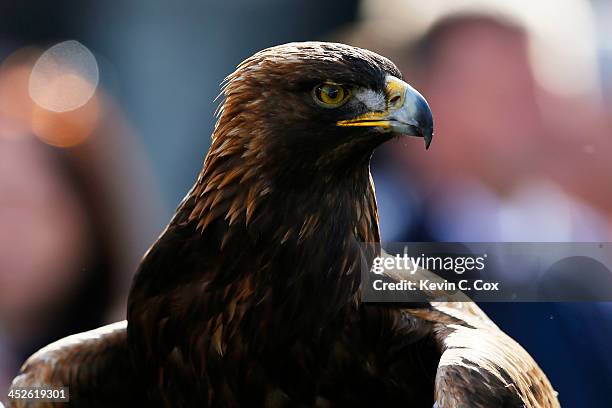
(332, 92)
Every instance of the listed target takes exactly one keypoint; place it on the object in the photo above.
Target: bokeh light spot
(66, 129)
(64, 78)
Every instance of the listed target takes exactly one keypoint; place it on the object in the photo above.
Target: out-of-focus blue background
(98, 146)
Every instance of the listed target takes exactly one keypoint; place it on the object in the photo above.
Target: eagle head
(297, 127)
(319, 107)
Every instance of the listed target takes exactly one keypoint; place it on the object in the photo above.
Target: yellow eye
(330, 95)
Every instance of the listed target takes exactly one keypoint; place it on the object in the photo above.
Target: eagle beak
(407, 113)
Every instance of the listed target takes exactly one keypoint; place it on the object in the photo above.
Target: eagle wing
(94, 365)
(480, 366)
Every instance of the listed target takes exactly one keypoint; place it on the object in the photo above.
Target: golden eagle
(250, 297)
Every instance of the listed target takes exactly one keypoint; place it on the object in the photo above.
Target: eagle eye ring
(330, 95)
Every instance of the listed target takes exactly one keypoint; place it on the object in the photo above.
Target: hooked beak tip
(428, 137)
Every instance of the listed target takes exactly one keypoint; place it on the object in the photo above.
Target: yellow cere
(395, 90)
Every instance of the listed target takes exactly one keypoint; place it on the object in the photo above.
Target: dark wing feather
(478, 356)
(94, 365)
(480, 366)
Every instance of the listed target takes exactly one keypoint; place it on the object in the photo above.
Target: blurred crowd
(93, 161)
(514, 162)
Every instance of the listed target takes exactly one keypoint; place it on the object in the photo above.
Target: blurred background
(106, 110)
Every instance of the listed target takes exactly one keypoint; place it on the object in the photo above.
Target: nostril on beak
(395, 101)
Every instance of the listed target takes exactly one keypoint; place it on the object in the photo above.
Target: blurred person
(494, 177)
(74, 220)
(54, 265)
(507, 168)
